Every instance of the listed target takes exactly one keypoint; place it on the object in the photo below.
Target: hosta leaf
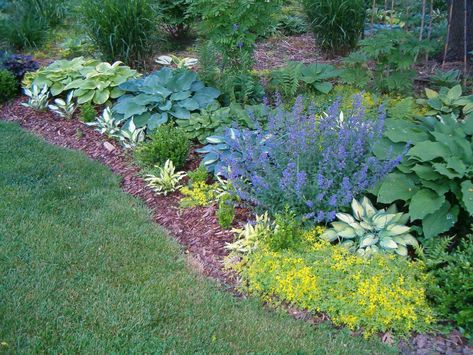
(401, 250)
(101, 97)
(369, 240)
(467, 195)
(440, 221)
(329, 235)
(180, 113)
(324, 88)
(396, 187)
(425, 202)
(398, 229)
(180, 95)
(86, 97)
(345, 217)
(129, 108)
(388, 243)
(455, 92)
(427, 151)
(426, 172)
(445, 171)
(157, 120)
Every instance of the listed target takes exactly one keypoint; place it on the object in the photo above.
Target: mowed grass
(83, 269)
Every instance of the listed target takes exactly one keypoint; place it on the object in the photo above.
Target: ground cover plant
(116, 282)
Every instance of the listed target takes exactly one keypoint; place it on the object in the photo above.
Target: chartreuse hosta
(370, 230)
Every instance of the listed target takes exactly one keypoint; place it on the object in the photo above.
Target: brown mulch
(195, 228)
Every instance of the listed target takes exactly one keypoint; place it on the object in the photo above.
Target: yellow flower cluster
(380, 294)
(199, 194)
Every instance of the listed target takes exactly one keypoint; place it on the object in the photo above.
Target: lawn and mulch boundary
(196, 228)
(84, 269)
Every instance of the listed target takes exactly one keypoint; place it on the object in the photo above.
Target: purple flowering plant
(312, 164)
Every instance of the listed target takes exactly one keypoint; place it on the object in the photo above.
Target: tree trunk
(456, 40)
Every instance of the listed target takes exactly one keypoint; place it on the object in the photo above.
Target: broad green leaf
(396, 186)
(425, 202)
(426, 172)
(101, 97)
(430, 93)
(455, 92)
(467, 194)
(440, 221)
(427, 151)
(324, 88)
(445, 171)
(86, 97)
(129, 108)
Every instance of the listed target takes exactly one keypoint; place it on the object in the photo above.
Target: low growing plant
(371, 231)
(447, 79)
(64, 108)
(166, 180)
(19, 65)
(162, 96)
(165, 143)
(87, 112)
(37, 98)
(435, 177)
(130, 136)
(226, 211)
(448, 101)
(199, 194)
(106, 124)
(8, 86)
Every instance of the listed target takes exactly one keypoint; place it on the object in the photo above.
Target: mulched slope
(195, 228)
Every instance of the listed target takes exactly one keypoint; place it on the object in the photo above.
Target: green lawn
(84, 270)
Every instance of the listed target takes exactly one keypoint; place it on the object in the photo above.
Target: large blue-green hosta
(163, 96)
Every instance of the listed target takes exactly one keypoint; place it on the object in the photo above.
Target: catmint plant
(313, 164)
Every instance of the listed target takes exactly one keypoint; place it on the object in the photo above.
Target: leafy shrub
(394, 53)
(337, 24)
(448, 101)
(199, 194)
(371, 231)
(380, 294)
(435, 177)
(166, 179)
(226, 211)
(233, 27)
(87, 112)
(176, 18)
(155, 99)
(122, 30)
(165, 143)
(8, 86)
(19, 65)
(313, 166)
(452, 289)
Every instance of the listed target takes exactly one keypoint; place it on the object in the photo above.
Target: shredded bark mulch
(196, 229)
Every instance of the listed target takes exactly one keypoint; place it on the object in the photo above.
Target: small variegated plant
(131, 136)
(38, 98)
(171, 60)
(248, 238)
(167, 180)
(370, 230)
(63, 108)
(106, 124)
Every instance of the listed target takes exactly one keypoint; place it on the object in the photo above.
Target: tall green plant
(337, 24)
(177, 19)
(122, 30)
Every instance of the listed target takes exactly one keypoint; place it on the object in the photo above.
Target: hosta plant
(371, 231)
(167, 179)
(448, 101)
(58, 74)
(64, 108)
(174, 61)
(100, 83)
(447, 79)
(37, 98)
(216, 149)
(106, 124)
(435, 178)
(162, 96)
(131, 136)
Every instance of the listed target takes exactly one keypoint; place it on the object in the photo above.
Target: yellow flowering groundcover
(383, 293)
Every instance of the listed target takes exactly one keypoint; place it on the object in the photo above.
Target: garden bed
(196, 229)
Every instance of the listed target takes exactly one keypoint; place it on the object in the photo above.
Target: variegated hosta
(38, 98)
(167, 180)
(63, 108)
(131, 136)
(106, 124)
(248, 238)
(370, 230)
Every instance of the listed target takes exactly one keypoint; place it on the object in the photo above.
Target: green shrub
(435, 176)
(165, 143)
(374, 295)
(87, 112)
(452, 291)
(176, 18)
(121, 30)
(233, 27)
(226, 211)
(337, 24)
(8, 86)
